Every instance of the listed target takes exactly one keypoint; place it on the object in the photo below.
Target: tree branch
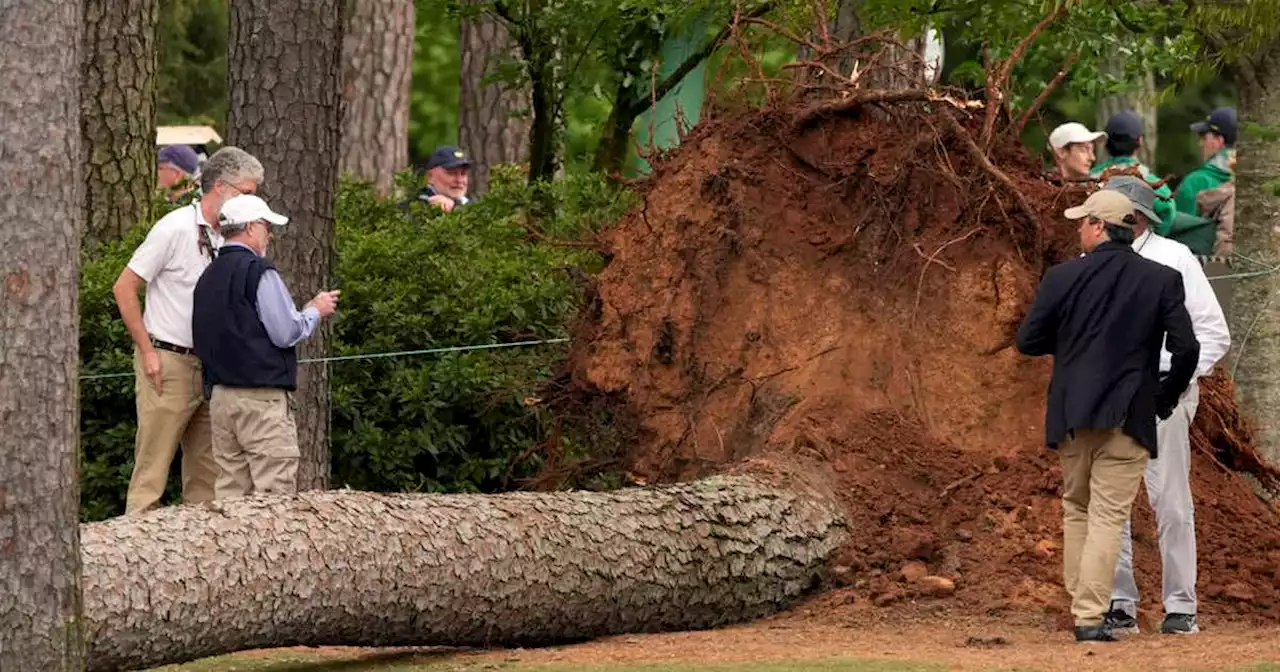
(996, 87)
(980, 157)
(640, 104)
(1126, 22)
(564, 88)
(1021, 123)
(859, 98)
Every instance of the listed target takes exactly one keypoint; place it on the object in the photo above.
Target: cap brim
(275, 219)
(1151, 214)
(1078, 212)
(1200, 127)
(1082, 139)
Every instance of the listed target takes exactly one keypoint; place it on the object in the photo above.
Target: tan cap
(1111, 207)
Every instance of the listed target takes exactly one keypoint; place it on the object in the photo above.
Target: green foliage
(191, 75)
(433, 102)
(411, 279)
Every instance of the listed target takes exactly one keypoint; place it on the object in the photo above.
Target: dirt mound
(847, 290)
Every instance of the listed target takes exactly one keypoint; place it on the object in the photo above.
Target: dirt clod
(914, 571)
(937, 586)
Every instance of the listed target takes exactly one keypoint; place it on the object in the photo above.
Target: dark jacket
(230, 339)
(1103, 317)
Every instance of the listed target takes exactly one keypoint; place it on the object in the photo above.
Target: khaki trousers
(177, 414)
(255, 441)
(1101, 471)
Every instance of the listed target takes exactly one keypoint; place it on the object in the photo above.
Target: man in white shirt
(1168, 477)
(168, 376)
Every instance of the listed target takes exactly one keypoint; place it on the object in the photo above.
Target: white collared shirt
(170, 261)
(1207, 320)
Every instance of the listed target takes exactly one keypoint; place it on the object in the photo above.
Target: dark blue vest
(230, 340)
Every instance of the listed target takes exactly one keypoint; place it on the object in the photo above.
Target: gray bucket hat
(1139, 192)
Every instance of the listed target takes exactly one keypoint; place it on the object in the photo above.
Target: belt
(171, 347)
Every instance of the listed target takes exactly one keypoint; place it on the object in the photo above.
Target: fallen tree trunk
(354, 568)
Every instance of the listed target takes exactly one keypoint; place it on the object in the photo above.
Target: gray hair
(228, 229)
(230, 164)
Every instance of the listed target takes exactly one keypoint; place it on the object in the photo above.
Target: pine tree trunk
(41, 209)
(119, 115)
(377, 73)
(493, 122)
(352, 568)
(1255, 312)
(284, 78)
(842, 28)
(1141, 99)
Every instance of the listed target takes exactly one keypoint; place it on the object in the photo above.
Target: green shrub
(411, 279)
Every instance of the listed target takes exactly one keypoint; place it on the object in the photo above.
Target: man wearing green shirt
(1217, 146)
(1124, 139)
(1192, 225)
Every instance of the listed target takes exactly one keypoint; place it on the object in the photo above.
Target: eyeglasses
(238, 190)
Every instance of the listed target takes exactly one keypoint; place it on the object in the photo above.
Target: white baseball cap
(1071, 133)
(247, 208)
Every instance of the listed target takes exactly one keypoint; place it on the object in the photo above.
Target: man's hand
(441, 201)
(151, 367)
(325, 303)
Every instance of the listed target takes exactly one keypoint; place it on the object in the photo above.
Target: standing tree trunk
(836, 30)
(119, 114)
(377, 74)
(41, 207)
(1255, 312)
(284, 78)
(355, 568)
(1140, 99)
(493, 121)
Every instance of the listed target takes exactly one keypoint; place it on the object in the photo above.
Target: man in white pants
(1168, 477)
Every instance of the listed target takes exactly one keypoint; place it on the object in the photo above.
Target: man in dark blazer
(1103, 317)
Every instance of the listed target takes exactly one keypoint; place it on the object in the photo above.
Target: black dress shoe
(1094, 633)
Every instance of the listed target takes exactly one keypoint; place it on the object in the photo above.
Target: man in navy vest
(246, 329)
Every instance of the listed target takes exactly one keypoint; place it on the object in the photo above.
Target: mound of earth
(847, 291)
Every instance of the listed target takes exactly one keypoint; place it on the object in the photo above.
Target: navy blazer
(1103, 317)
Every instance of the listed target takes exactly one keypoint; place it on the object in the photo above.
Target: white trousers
(1168, 481)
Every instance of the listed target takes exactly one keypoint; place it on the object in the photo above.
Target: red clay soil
(847, 292)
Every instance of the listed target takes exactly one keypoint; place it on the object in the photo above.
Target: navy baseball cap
(1221, 121)
(1126, 124)
(448, 156)
(181, 157)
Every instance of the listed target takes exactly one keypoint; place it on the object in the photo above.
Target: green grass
(426, 662)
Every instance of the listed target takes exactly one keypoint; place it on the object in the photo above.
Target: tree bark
(842, 28)
(493, 121)
(41, 206)
(119, 115)
(544, 154)
(377, 74)
(1141, 99)
(353, 568)
(1255, 313)
(284, 78)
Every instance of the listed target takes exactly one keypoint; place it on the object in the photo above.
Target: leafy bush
(411, 279)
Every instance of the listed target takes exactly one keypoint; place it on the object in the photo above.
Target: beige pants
(178, 414)
(1101, 471)
(254, 441)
